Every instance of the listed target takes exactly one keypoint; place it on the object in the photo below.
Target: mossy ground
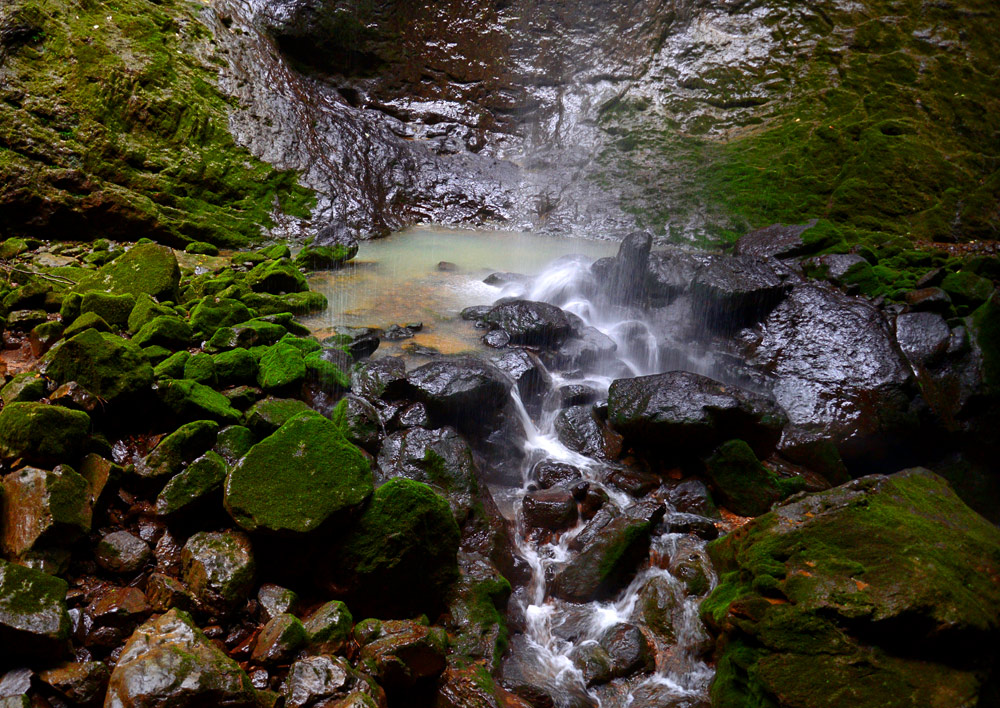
(111, 124)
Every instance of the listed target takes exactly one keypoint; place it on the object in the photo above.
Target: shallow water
(397, 280)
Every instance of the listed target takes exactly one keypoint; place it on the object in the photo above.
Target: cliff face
(694, 118)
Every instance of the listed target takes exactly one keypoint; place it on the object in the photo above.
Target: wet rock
(282, 368)
(681, 412)
(609, 549)
(169, 663)
(297, 478)
(536, 324)
(929, 300)
(737, 290)
(73, 395)
(839, 376)
(384, 378)
(551, 509)
(691, 524)
(593, 662)
(190, 489)
(593, 501)
(576, 395)
(865, 575)
(176, 449)
(966, 289)
(579, 429)
(113, 309)
(631, 481)
(692, 496)
(336, 236)
(657, 603)
(743, 484)
(280, 640)
(219, 568)
(316, 680)
(671, 272)
(121, 552)
(82, 683)
(324, 257)
(439, 458)
(275, 600)
(164, 331)
(585, 350)
(626, 278)
(359, 342)
(405, 652)
(43, 511)
(549, 473)
(628, 649)
(190, 400)
(111, 617)
(212, 313)
(329, 627)
(777, 241)
(476, 313)
(276, 277)
(267, 415)
(401, 554)
(923, 336)
(527, 372)
(465, 687)
(497, 338)
(524, 675)
(165, 592)
(461, 390)
(26, 387)
(33, 617)
(476, 606)
(361, 423)
(233, 442)
(415, 416)
(41, 434)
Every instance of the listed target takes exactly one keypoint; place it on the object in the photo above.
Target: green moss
(211, 313)
(200, 367)
(745, 486)
(23, 388)
(281, 368)
(201, 478)
(176, 449)
(126, 133)
(165, 331)
(329, 627)
(90, 320)
(276, 277)
(42, 434)
(233, 442)
(104, 364)
(326, 374)
(146, 269)
(146, 310)
(173, 366)
(235, 366)
(190, 400)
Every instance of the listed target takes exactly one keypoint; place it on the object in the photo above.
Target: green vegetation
(111, 124)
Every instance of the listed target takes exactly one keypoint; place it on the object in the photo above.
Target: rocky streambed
(666, 478)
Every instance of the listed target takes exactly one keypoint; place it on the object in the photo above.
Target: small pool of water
(429, 275)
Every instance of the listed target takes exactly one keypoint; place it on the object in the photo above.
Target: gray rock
(579, 429)
(923, 336)
(776, 241)
(33, 617)
(440, 458)
(315, 680)
(275, 600)
(329, 627)
(219, 568)
(405, 652)
(551, 509)
(628, 649)
(536, 324)
(461, 391)
(122, 552)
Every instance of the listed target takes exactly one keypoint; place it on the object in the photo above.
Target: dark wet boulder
(104, 364)
(929, 300)
(42, 434)
(145, 269)
(275, 600)
(609, 549)
(299, 477)
(83, 683)
(268, 414)
(524, 673)
(879, 592)
(628, 649)
(624, 279)
(670, 272)
(383, 378)
(404, 652)
(585, 349)
(111, 617)
(549, 473)
(461, 391)
(219, 568)
(439, 458)
(692, 497)
(33, 617)
(777, 241)
(178, 448)
(680, 412)
(743, 484)
(359, 342)
(527, 372)
(25, 387)
(400, 557)
(323, 681)
(838, 373)
(169, 663)
(536, 324)
(736, 291)
(551, 509)
(326, 257)
(634, 482)
(476, 607)
(340, 238)
(122, 552)
(581, 430)
(329, 627)
(923, 337)
(280, 640)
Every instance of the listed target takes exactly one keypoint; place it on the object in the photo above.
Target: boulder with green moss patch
(42, 434)
(104, 364)
(745, 486)
(33, 617)
(188, 489)
(233, 442)
(269, 414)
(190, 400)
(400, 557)
(24, 387)
(115, 309)
(43, 510)
(146, 268)
(219, 568)
(234, 367)
(166, 331)
(200, 367)
(251, 333)
(146, 310)
(282, 368)
(211, 313)
(175, 450)
(329, 627)
(880, 592)
(276, 277)
(89, 320)
(303, 475)
(173, 366)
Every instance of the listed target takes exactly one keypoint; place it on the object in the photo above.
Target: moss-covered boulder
(42, 434)
(275, 277)
(325, 257)
(219, 568)
(329, 627)
(146, 310)
(745, 486)
(190, 400)
(269, 414)
(166, 331)
(88, 320)
(24, 387)
(104, 364)
(234, 367)
(211, 313)
(281, 368)
(304, 474)
(400, 558)
(881, 592)
(114, 309)
(173, 366)
(233, 442)
(33, 618)
(177, 449)
(251, 333)
(145, 268)
(198, 483)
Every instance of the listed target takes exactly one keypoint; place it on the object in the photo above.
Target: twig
(45, 276)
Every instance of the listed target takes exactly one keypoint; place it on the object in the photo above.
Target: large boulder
(43, 509)
(878, 593)
(33, 617)
(298, 478)
(169, 663)
(460, 390)
(735, 291)
(400, 557)
(146, 268)
(403, 652)
(684, 413)
(838, 373)
(42, 434)
(777, 240)
(104, 364)
(536, 324)
(219, 568)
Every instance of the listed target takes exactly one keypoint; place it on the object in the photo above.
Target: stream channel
(644, 645)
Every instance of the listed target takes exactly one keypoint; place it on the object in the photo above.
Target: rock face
(297, 478)
(870, 594)
(169, 663)
(681, 411)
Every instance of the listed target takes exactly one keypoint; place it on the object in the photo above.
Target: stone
(439, 458)
(929, 300)
(176, 449)
(213, 313)
(219, 568)
(25, 320)
(146, 268)
(319, 680)
(73, 395)
(282, 368)
(551, 509)
(580, 430)
(628, 649)
(25, 387)
(528, 373)
(400, 556)
(923, 337)
(42, 510)
(190, 400)
(588, 349)
(280, 640)
(339, 239)
(681, 412)
(104, 364)
(461, 390)
(848, 596)
(164, 331)
(122, 552)
(358, 342)
(384, 378)
(536, 324)
(170, 663)
(692, 496)
(188, 491)
(361, 423)
(743, 484)
(268, 414)
(329, 627)
(592, 661)
(166, 592)
(324, 257)
(173, 366)
(111, 617)
(200, 367)
(233, 442)
(549, 473)
(276, 277)
(90, 320)
(113, 309)
(405, 652)
(82, 683)
(967, 289)
(44, 335)
(736, 291)
(299, 477)
(776, 241)
(145, 310)
(34, 622)
(275, 600)
(101, 475)
(477, 606)
(235, 367)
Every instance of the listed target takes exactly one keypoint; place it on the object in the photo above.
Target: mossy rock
(13, 247)
(175, 450)
(400, 557)
(967, 289)
(211, 313)
(282, 368)
(25, 387)
(984, 325)
(235, 367)
(200, 367)
(275, 277)
(251, 333)
(90, 320)
(849, 596)
(745, 486)
(201, 248)
(329, 627)
(298, 478)
(104, 364)
(145, 311)
(267, 415)
(304, 303)
(166, 331)
(233, 442)
(190, 400)
(30, 295)
(115, 309)
(44, 513)
(33, 618)
(146, 268)
(325, 257)
(42, 434)
(325, 371)
(173, 366)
